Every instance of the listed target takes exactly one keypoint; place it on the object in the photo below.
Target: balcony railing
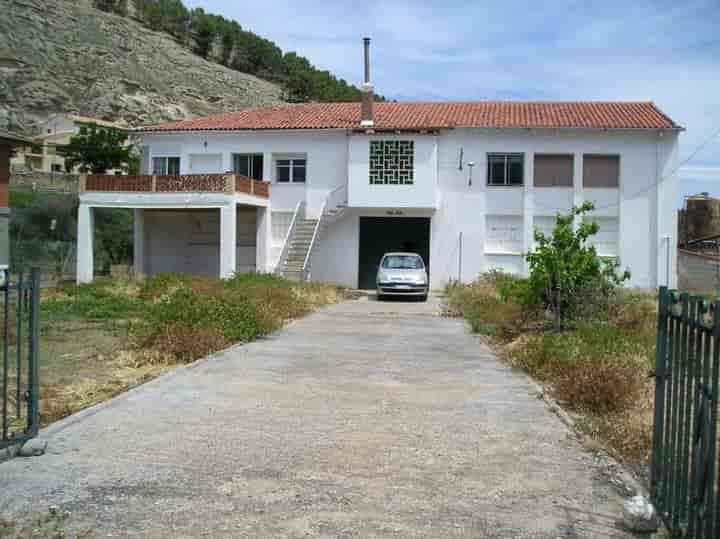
(184, 183)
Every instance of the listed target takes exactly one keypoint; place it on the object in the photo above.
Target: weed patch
(598, 367)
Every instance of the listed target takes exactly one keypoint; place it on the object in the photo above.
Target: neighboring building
(699, 243)
(8, 142)
(42, 155)
(462, 184)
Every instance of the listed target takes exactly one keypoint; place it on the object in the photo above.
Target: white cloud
(665, 51)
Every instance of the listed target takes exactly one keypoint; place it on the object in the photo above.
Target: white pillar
(84, 272)
(528, 208)
(578, 196)
(139, 242)
(263, 240)
(228, 240)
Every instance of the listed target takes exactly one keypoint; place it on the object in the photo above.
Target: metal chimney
(367, 107)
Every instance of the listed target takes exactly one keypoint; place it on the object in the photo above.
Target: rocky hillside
(66, 56)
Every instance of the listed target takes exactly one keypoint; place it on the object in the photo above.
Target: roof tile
(411, 116)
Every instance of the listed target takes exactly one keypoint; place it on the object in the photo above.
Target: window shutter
(553, 170)
(601, 171)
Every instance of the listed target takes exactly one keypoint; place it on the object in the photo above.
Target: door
(380, 235)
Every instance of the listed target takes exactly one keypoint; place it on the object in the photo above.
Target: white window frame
(291, 158)
(165, 157)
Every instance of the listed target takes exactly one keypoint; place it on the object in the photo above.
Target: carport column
(139, 242)
(86, 225)
(577, 184)
(228, 240)
(528, 209)
(263, 240)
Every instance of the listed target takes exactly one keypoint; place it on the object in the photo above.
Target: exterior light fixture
(471, 164)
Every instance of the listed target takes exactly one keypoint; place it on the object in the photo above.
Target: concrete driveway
(366, 419)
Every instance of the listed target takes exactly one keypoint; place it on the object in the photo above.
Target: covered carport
(380, 235)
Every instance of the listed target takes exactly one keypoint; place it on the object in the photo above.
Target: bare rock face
(65, 56)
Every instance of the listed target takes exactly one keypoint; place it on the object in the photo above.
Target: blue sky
(667, 52)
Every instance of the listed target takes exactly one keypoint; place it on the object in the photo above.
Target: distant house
(42, 155)
(8, 142)
(320, 191)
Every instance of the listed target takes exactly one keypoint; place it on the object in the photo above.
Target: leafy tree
(564, 265)
(97, 149)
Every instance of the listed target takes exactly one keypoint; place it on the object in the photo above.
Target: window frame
(292, 166)
(616, 156)
(541, 155)
(506, 169)
(167, 164)
(251, 162)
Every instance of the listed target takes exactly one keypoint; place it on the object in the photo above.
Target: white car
(402, 274)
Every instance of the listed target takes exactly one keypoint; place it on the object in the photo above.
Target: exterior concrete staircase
(304, 234)
(297, 252)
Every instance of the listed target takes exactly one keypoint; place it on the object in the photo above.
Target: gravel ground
(366, 419)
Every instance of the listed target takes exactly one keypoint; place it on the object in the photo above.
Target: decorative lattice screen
(392, 162)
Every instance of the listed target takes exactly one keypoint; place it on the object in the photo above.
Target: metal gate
(19, 395)
(683, 476)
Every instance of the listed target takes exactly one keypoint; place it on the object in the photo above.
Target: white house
(321, 190)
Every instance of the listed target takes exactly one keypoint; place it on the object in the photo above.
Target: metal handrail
(288, 237)
(328, 204)
(312, 241)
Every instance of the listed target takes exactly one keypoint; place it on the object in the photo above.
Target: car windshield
(402, 262)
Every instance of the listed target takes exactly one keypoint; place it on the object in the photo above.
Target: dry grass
(100, 340)
(599, 369)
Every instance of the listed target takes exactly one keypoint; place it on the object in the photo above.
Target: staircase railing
(334, 200)
(297, 216)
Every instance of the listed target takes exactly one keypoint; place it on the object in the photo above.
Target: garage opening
(380, 235)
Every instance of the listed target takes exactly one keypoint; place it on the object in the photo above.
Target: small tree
(564, 265)
(97, 149)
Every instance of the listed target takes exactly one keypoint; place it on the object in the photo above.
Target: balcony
(228, 184)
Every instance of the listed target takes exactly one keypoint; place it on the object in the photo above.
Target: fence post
(660, 380)
(34, 372)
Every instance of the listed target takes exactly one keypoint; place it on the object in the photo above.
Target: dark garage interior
(380, 235)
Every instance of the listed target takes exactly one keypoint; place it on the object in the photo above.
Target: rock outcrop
(66, 56)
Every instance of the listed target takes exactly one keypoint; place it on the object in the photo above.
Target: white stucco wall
(189, 241)
(643, 207)
(421, 193)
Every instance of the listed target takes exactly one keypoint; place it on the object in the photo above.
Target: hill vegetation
(225, 41)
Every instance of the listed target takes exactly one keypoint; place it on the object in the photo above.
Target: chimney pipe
(367, 112)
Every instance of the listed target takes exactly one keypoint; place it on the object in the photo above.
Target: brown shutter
(553, 170)
(601, 171)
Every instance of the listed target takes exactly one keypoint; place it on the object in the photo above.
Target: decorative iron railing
(684, 481)
(184, 183)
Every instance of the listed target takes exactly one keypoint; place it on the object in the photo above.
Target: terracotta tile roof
(490, 114)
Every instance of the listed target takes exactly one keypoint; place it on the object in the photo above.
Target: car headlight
(382, 276)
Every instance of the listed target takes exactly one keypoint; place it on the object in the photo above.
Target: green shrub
(565, 269)
(96, 301)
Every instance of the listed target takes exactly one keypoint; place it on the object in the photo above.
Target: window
(392, 162)
(601, 171)
(553, 170)
(504, 234)
(606, 240)
(403, 262)
(290, 170)
(505, 169)
(249, 165)
(166, 166)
